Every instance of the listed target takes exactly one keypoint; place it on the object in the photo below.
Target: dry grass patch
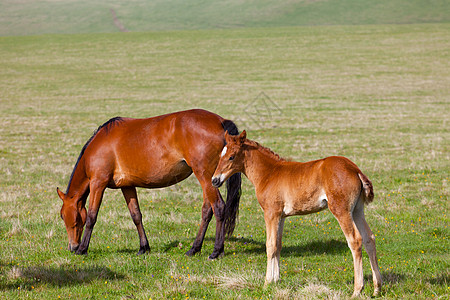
(309, 291)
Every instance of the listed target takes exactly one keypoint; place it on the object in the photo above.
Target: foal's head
(231, 159)
(73, 214)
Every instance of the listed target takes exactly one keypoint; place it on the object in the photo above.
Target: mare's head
(231, 159)
(73, 214)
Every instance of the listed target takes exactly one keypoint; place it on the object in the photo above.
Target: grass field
(376, 94)
(31, 17)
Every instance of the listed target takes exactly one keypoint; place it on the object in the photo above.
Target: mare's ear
(60, 194)
(243, 137)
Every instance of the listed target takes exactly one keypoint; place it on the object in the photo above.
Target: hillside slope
(29, 17)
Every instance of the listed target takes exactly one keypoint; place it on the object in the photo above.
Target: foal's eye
(231, 157)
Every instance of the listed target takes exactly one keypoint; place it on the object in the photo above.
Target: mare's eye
(231, 157)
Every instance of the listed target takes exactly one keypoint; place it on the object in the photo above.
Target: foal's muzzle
(216, 181)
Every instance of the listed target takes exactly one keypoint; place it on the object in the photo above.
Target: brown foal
(285, 188)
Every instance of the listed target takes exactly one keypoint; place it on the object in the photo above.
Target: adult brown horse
(285, 188)
(151, 153)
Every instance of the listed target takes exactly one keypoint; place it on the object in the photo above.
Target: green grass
(376, 94)
(32, 17)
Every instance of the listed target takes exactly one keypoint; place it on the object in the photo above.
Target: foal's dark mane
(264, 150)
(107, 125)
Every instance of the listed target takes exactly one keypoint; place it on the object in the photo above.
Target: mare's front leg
(133, 206)
(97, 189)
(207, 214)
(274, 232)
(216, 205)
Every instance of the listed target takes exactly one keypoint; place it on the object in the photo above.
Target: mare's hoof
(81, 252)
(215, 256)
(144, 249)
(192, 252)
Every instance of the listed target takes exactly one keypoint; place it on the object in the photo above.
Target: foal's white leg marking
(273, 270)
(224, 151)
(369, 243)
(274, 230)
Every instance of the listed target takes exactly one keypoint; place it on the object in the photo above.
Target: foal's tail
(233, 189)
(367, 188)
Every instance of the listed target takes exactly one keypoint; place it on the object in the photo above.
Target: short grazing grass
(376, 94)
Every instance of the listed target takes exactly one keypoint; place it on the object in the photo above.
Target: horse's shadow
(252, 246)
(309, 249)
(60, 276)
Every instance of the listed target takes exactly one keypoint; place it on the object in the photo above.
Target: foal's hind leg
(133, 205)
(354, 241)
(369, 243)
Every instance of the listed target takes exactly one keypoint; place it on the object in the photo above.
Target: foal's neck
(259, 163)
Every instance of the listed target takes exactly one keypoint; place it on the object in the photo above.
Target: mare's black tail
(233, 189)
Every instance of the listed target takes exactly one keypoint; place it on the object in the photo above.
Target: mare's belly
(153, 176)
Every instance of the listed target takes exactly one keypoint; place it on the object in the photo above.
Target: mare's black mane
(107, 125)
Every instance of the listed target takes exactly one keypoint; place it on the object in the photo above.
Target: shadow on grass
(312, 248)
(316, 248)
(130, 251)
(250, 246)
(62, 276)
(442, 279)
(155, 248)
(389, 277)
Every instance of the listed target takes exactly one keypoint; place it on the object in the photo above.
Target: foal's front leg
(274, 232)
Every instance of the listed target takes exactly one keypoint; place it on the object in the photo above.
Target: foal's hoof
(377, 292)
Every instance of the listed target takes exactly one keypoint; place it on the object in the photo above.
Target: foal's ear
(242, 137)
(60, 194)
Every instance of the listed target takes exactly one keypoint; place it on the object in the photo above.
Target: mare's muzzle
(73, 248)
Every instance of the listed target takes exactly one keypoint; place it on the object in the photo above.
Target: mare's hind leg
(133, 206)
(97, 189)
(207, 214)
(369, 243)
(354, 241)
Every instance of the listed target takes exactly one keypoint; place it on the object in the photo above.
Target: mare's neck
(258, 165)
(78, 187)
